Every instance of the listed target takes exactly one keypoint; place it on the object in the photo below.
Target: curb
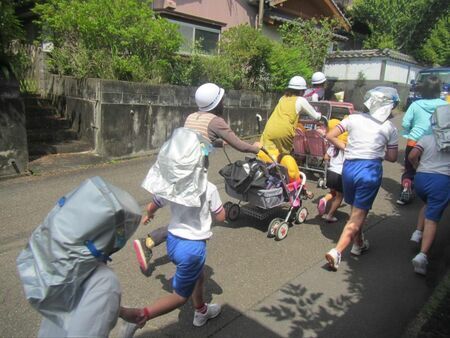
(437, 298)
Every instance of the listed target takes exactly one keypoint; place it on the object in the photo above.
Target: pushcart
(310, 145)
(261, 203)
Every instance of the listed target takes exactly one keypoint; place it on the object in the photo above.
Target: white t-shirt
(193, 222)
(432, 160)
(367, 137)
(302, 106)
(336, 162)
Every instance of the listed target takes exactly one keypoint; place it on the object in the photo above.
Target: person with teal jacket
(417, 123)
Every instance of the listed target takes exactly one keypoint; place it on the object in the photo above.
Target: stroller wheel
(233, 212)
(301, 215)
(320, 183)
(227, 206)
(282, 231)
(273, 227)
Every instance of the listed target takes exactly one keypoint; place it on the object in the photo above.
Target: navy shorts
(334, 181)
(434, 190)
(361, 180)
(189, 256)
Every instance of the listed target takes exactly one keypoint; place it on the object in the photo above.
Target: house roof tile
(368, 53)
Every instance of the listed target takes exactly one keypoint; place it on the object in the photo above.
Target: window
(206, 37)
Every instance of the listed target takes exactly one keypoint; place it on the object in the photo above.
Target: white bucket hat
(380, 101)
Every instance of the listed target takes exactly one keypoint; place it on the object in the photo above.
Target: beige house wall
(228, 12)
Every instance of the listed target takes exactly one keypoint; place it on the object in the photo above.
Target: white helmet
(318, 77)
(208, 96)
(297, 82)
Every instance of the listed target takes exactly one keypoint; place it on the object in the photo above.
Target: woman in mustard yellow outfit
(279, 132)
(280, 128)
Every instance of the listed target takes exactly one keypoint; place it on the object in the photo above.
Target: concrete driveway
(267, 288)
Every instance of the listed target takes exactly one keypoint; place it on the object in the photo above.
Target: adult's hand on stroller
(323, 119)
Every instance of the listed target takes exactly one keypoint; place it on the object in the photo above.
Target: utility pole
(260, 14)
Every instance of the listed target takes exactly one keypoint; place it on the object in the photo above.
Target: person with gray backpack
(417, 123)
(63, 267)
(431, 158)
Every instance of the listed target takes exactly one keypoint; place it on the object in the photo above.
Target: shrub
(118, 39)
(245, 52)
(286, 62)
(312, 38)
(436, 48)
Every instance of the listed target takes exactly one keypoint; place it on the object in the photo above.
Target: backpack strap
(97, 253)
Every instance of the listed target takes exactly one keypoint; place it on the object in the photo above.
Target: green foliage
(245, 53)
(117, 39)
(312, 38)
(15, 60)
(404, 25)
(436, 48)
(10, 27)
(286, 62)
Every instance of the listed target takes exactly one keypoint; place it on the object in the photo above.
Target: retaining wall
(125, 118)
(13, 136)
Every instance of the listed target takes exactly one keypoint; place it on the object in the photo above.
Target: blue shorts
(434, 190)
(189, 256)
(361, 180)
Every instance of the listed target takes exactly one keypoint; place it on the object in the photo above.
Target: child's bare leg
(421, 218)
(335, 203)
(352, 230)
(164, 305)
(429, 233)
(197, 294)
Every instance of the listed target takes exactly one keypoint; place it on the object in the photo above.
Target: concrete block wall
(13, 135)
(127, 118)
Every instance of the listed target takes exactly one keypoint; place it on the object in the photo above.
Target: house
(383, 65)
(205, 20)
(356, 71)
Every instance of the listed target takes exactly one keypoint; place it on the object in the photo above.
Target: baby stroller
(310, 145)
(264, 187)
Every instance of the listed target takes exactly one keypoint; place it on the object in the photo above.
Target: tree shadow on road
(369, 280)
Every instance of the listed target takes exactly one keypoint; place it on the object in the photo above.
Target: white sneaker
(416, 236)
(420, 263)
(127, 330)
(358, 250)
(213, 310)
(334, 259)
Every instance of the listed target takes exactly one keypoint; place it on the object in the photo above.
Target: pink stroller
(310, 148)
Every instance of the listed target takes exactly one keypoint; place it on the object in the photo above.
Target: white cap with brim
(208, 96)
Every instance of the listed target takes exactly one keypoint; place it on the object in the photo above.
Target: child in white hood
(371, 138)
(179, 180)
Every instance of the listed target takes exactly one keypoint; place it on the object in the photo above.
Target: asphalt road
(267, 288)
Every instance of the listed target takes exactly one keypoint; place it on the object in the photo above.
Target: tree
(436, 48)
(118, 39)
(311, 38)
(403, 25)
(10, 26)
(246, 52)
